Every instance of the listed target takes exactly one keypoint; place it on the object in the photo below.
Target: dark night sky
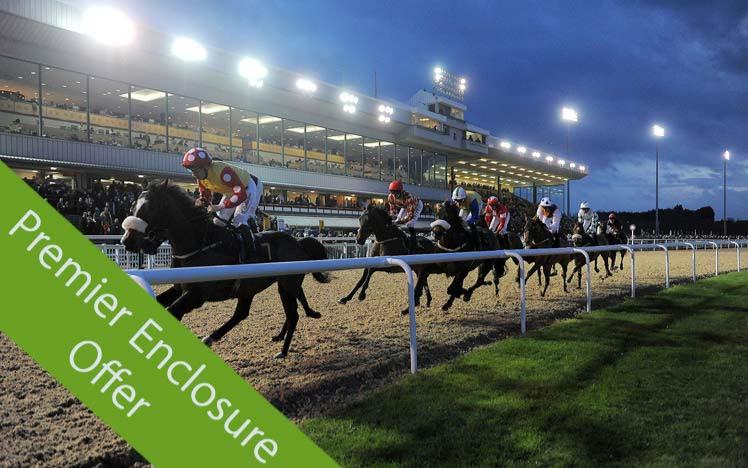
(623, 65)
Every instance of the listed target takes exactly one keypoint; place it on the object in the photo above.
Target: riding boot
(253, 225)
(413, 244)
(248, 243)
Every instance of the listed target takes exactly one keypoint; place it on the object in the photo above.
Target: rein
(447, 249)
(195, 252)
(386, 241)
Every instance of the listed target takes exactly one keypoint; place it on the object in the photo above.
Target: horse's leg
(240, 313)
(286, 288)
(533, 269)
(307, 310)
(455, 290)
(421, 283)
(497, 275)
(613, 261)
(365, 286)
(483, 271)
(347, 298)
(190, 300)
(623, 254)
(606, 259)
(597, 270)
(168, 297)
(547, 274)
(564, 268)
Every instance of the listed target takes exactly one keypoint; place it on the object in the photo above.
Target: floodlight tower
(570, 116)
(658, 132)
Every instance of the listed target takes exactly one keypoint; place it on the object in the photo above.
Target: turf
(656, 381)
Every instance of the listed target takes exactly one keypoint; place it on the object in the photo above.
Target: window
(19, 97)
(476, 137)
(184, 123)
(336, 152)
(401, 169)
(110, 112)
(64, 104)
(428, 122)
(354, 155)
(371, 159)
(148, 109)
(315, 148)
(458, 114)
(428, 168)
(389, 161)
(244, 135)
(415, 166)
(271, 138)
(293, 144)
(215, 123)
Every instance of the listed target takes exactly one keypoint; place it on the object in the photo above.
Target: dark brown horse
(452, 235)
(389, 240)
(537, 236)
(580, 238)
(166, 212)
(616, 237)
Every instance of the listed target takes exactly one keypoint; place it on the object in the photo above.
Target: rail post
(144, 284)
(693, 260)
(589, 274)
(411, 311)
(522, 297)
(633, 269)
(667, 265)
(716, 257)
(737, 250)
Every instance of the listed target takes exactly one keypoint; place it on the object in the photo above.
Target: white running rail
(146, 278)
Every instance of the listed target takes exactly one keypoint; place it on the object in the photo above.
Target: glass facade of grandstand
(45, 101)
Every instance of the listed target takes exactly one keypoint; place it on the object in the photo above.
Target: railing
(231, 272)
(337, 248)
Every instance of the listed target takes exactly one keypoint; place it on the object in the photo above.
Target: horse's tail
(315, 251)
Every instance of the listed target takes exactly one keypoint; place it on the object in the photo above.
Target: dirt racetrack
(352, 349)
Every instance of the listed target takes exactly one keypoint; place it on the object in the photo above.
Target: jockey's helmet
(459, 194)
(196, 157)
(493, 201)
(584, 206)
(612, 216)
(545, 202)
(396, 186)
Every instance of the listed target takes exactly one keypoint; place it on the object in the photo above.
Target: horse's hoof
(445, 308)
(208, 341)
(405, 312)
(361, 297)
(313, 314)
(342, 300)
(277, 338)
(280, 355)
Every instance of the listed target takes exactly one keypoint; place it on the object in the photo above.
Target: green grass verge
(657, 381)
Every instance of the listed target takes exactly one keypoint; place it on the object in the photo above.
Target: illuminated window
(19, 97)
(244, 135)
(148, 108)
(64, 104)
(215, 129)
(184, 119)
(109, 112)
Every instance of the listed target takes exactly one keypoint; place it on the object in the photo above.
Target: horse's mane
(184, 203)
(381, 211)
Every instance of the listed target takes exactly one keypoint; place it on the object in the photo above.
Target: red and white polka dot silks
(230, 179)
(196, 157)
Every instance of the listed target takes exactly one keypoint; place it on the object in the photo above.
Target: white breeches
(245, 210)
(403, 213)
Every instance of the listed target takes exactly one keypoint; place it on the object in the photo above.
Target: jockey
(470, 204)
(550, 215)
(405, 209)
(497, 216)
(588, 218)
(614, 226)
(241, 191)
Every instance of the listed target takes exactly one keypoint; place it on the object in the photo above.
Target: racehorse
(580, 238)
(537, 236)
(166, 212)
(452, 236)
(616, 237)
(508, 241)
(389, 240)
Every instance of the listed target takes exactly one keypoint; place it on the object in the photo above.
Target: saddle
(246, 241)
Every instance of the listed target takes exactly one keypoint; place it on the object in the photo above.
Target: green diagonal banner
(124, 356)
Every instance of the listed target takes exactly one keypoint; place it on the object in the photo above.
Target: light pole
(658, 133)
(725, 158)
(569, 116)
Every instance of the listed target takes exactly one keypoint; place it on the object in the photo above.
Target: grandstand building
(79, 110)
